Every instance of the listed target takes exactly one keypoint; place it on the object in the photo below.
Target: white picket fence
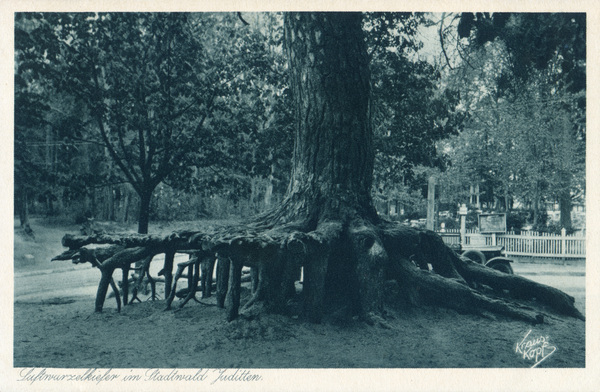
(524, 244)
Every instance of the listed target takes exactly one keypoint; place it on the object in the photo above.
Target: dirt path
(64, 332)
(60, 330)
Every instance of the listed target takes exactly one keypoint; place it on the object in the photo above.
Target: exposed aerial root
(423, 287)
(345, 265)
(519, 286)
(143, 272)
(95, 257)
(180, 269)
(371, 261)
(454, 292)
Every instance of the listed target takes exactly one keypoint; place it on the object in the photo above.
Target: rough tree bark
(144, 216)
(329, 196)
(327, 223)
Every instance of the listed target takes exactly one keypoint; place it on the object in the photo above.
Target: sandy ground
(57, 328)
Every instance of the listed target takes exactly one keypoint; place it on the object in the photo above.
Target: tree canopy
(205, 107)
(167, 95)
(520, 76)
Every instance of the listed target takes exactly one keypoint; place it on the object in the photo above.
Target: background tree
(534, 40)
(39, 160)
(249, 135)
(165, 94)
(411, 109)
(522, 69)
(30, 174)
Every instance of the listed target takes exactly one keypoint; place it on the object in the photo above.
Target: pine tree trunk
(126, 206)
(333, 153)
(110, 203)
(536, 205)
(22, 207)
(269, 187)
(144, 216)
(330, 188)
(565, 209)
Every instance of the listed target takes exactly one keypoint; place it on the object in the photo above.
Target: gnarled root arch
(345, 267)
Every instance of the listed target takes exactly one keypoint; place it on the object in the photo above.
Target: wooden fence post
(563, 233)
(431, 203)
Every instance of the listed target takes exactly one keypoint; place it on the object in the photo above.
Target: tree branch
(131, 176)
(239, 14)
(441, 34)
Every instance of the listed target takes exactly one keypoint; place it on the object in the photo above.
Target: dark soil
(64, 332)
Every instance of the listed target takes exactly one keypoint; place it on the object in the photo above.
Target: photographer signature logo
(535, 349)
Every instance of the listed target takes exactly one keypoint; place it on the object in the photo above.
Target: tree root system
(344, 267)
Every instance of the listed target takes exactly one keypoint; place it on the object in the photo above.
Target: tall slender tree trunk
(22, 209)
(110, 203)
(125, 210)
(50, 203)
(144, 217)
(536, 205)
(431, 203)
(22, 206)
(269, 188)
(567, 150)
(565, 209)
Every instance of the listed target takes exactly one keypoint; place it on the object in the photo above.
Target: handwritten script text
(535, 349)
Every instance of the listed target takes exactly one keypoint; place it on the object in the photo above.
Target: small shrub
(472, 220)
(449, 223)
(515, 220)
(556, 228)
(542, 221)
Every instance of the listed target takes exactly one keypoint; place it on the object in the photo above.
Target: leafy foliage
(39, 161)
(411, 111)
(525, 138)
(167, 95)
(199, 105)
(534, 40)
